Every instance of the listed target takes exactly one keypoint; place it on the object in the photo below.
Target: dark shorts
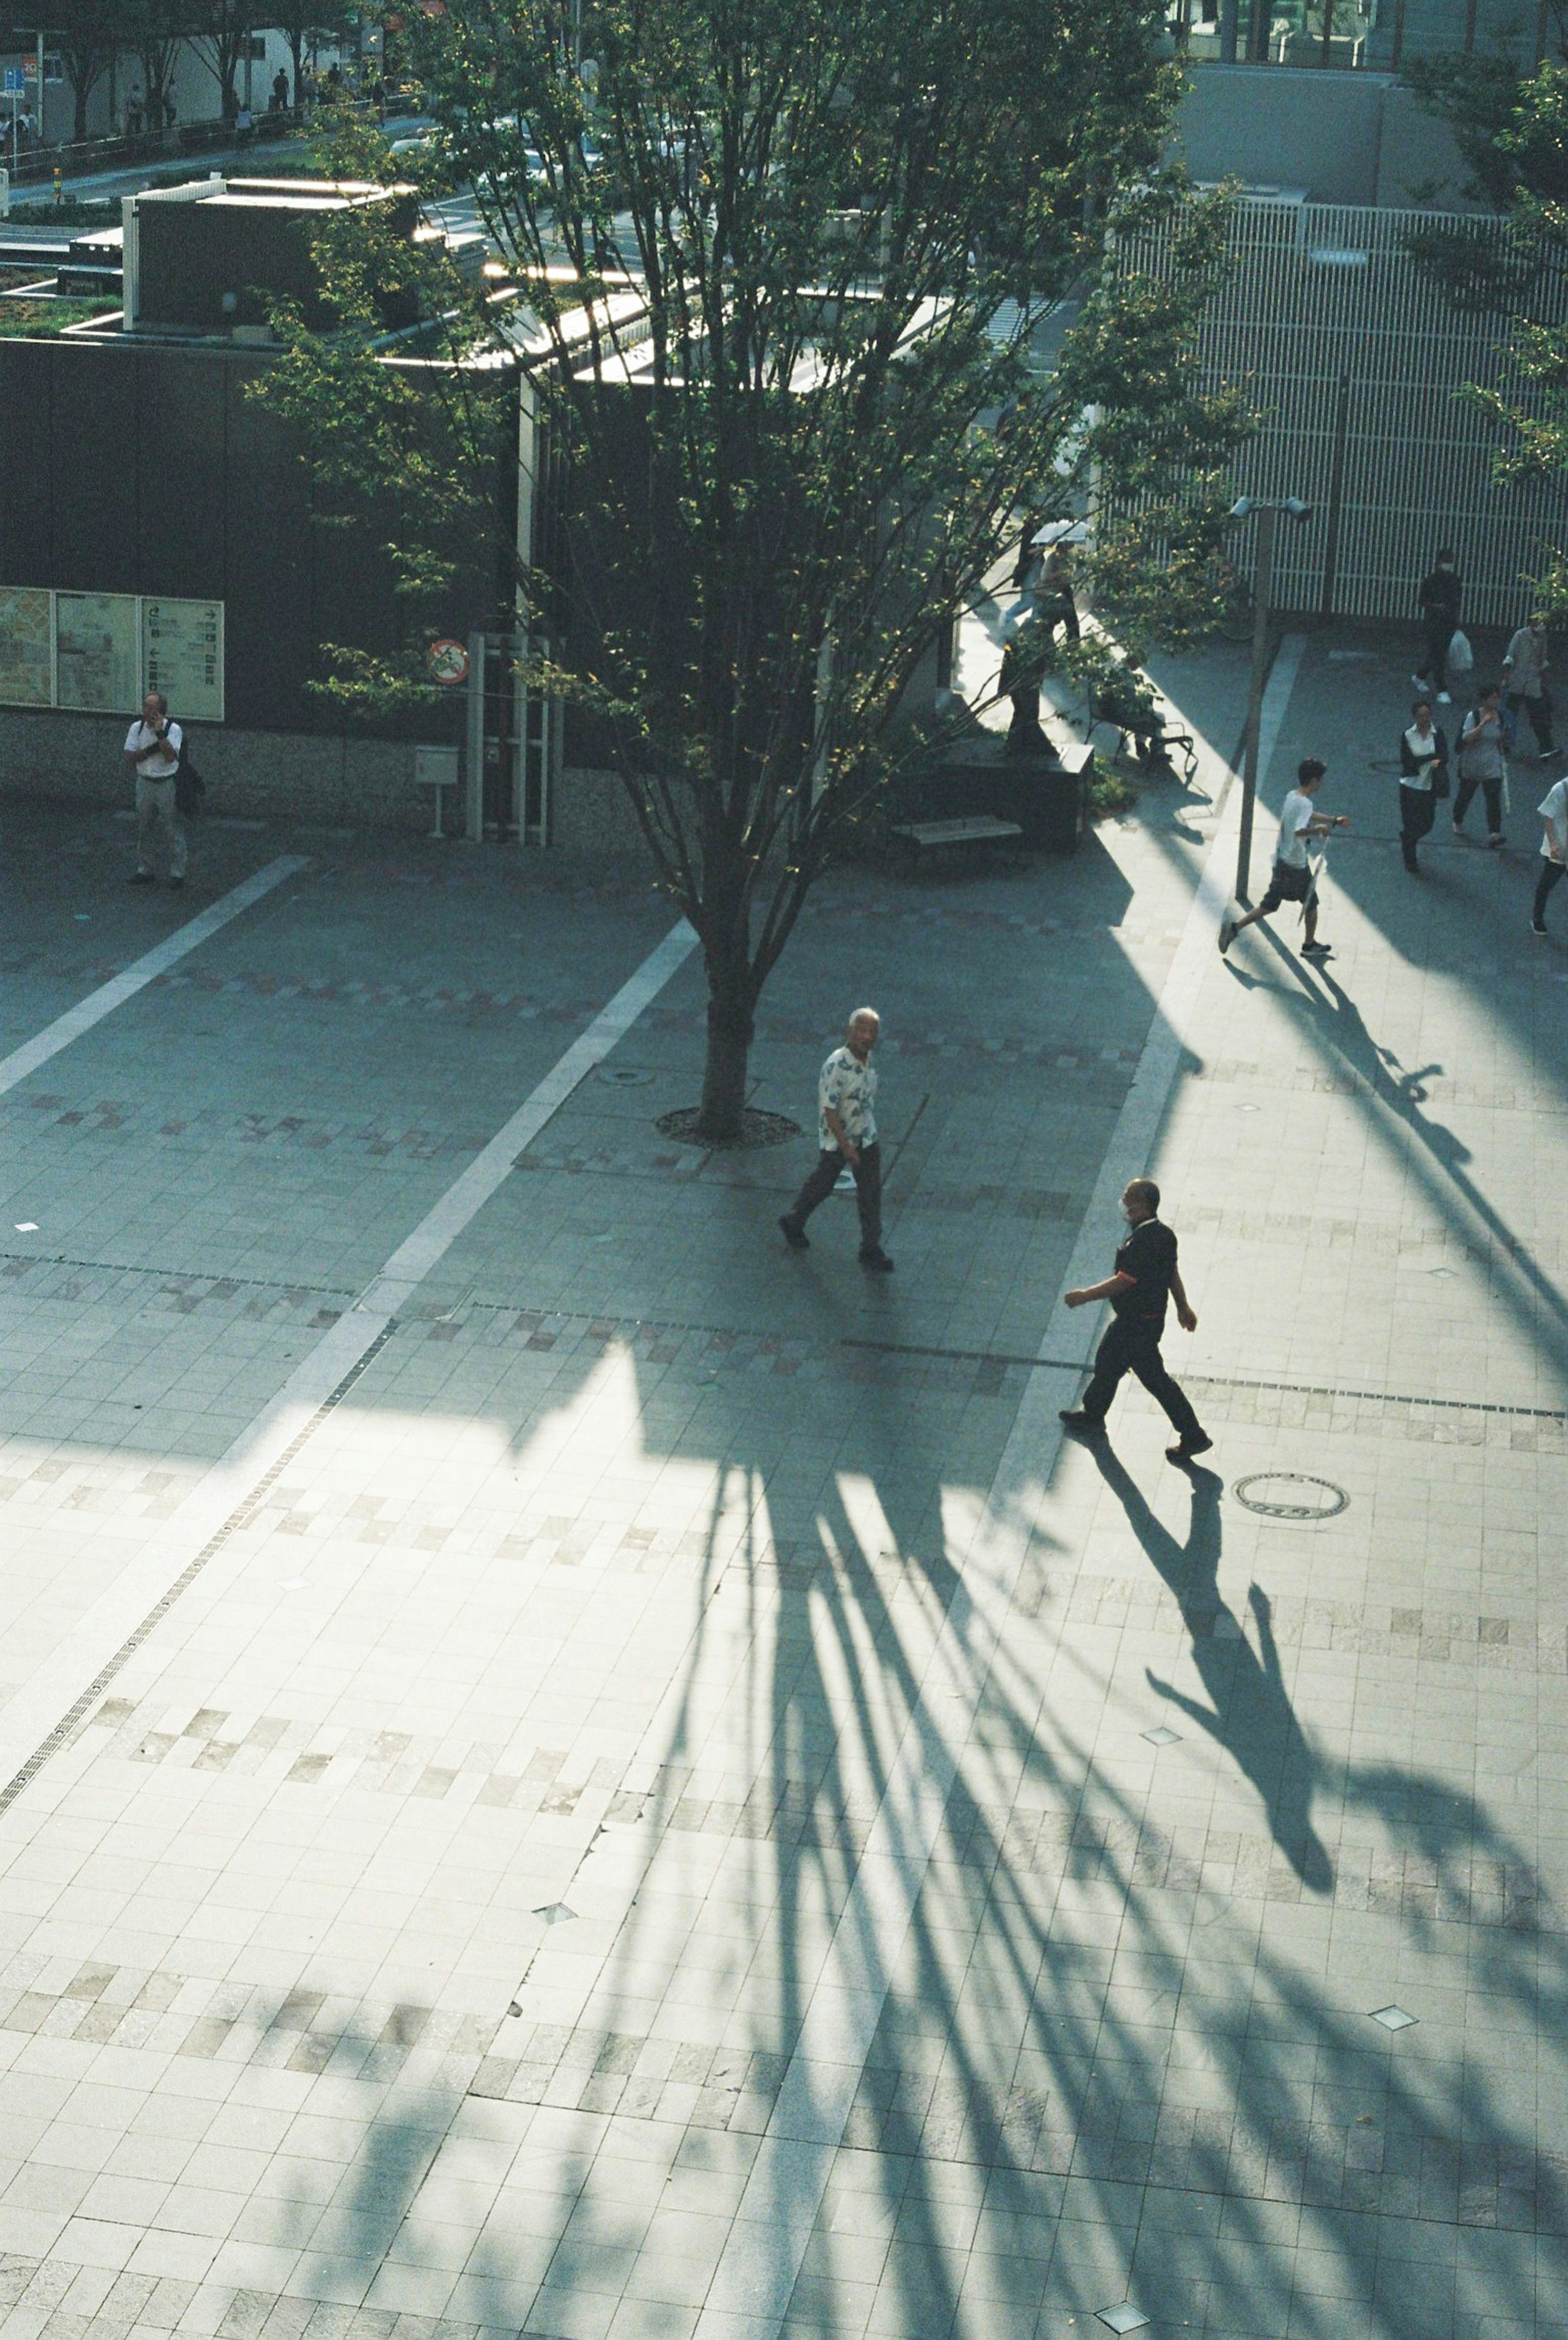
(1287, 885)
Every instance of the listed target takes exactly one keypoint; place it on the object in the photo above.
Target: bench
(919, 837)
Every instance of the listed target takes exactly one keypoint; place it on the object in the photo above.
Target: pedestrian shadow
(1250, 1713)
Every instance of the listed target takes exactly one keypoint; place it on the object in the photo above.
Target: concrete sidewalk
(642, 1824)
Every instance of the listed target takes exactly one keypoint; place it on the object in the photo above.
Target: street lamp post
(1263, 597)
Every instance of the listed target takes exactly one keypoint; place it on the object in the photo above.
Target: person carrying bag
(1422, 778)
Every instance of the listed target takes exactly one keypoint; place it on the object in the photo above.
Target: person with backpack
(153, 746)
(1480, 764)
(1422, 778)
(1439, 599)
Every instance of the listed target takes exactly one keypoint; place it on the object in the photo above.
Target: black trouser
(1025, 731)
(1538, 710)
(1434, 662)
(1417, 814)
(867, 1173)
(1132, 1346)
(1552, 876)
(1492, 791)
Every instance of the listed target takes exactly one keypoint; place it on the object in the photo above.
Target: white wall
(1345, 137)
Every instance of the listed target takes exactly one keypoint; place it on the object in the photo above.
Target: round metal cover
(623, 1077)
(1290, 1495)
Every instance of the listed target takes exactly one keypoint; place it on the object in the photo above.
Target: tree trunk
(730, 1030)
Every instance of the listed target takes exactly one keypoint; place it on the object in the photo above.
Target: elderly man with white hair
(846, 1134)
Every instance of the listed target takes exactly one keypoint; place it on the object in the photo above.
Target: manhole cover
(757, 1128)
(623, 1077)
(1290, 1495)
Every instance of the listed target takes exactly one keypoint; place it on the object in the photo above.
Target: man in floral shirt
(847, 1133)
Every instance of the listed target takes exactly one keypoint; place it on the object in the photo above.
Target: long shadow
(1250, 1713)
(1096, 2068)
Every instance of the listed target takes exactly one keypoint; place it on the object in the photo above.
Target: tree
(221, 30)
(154, 29)
(1513, 127)
(840, 227)
(304, 24)
(89, 35)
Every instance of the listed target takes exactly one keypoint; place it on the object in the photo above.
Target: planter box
(1048, 796)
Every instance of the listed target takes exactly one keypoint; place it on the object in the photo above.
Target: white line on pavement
(121, 1616)
(772, 2228)
(120, 987)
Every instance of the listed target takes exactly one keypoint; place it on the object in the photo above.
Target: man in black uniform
(1146, 1272)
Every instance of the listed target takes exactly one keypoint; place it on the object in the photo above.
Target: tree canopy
(821, 249)
(1512, 125)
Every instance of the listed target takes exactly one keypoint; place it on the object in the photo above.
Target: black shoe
(176, 881)
(1536, 927)
(878, 1259)
(1081, 1425)
(1494, 844)
(1414, 867)
(796, 1237)
(1321, 950)
(1227, 934)
(140, 877)
(1186, 1448)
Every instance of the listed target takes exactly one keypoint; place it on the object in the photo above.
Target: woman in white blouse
(1422, 778)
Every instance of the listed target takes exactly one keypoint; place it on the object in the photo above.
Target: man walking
(1146, 1272)
(152, 747)
(1554, 811)
(1293, 880)
(1525, 688)
(1439, 600)
(847, 1133)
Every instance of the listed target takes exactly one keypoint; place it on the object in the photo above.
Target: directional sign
(15, 82)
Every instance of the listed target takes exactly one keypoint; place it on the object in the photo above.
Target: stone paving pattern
(415, 1937)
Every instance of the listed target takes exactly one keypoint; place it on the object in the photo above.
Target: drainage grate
(1292, 1505)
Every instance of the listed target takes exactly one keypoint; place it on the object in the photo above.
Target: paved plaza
(573, 1773)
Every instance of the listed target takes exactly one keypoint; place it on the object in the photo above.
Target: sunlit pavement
(575, 1772)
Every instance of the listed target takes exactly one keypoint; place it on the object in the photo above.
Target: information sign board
(182, 657)
(95, 662)
(27, 659)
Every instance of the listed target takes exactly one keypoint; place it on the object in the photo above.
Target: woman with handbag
(1422, 778)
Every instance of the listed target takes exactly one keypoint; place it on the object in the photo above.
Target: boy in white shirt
(1554, 811)
(1293, 881)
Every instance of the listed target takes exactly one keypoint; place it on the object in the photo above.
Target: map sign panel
(95, 661)
(182, 657)
(26, 667)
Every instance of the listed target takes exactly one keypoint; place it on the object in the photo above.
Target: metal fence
(1357, 360)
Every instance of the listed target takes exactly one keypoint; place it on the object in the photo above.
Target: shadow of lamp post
(1267, 511)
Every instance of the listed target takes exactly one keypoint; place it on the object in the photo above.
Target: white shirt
(1292, 822)
(851, 1088)
(1553, 810)
(1423, 748)
(156, 759)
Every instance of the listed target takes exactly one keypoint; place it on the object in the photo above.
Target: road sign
(448, 661)
(15, 81)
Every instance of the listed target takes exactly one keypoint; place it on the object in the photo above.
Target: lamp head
(1242, 508)
(1298, 510)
